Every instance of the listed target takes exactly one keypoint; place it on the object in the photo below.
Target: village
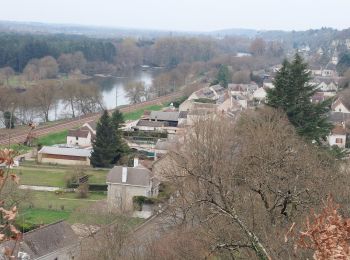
(136, 193)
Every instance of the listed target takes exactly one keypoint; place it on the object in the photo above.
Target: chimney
(136, 162)
(124, 174)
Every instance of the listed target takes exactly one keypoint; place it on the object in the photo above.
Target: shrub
(83, 191)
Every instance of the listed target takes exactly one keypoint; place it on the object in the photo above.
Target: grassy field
(54, 176)
(54, 138)
(138, 113)
(48, 207)
(19, 148)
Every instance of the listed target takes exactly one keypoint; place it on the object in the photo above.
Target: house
(91, 126)
(260, 94)
(163, 146)
(171, 118)
(338, 136)
(318, 97)
(203, 93)
(268, 84)
(217, 90)
(64, 155)
(55, 241)
(148, 125)
(242, 89)
(126, 182)
(80, 137)
(341, 105)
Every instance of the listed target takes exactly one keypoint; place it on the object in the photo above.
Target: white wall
(332, 140)
(71, 140)
(63, 161)
(341, 108)
(119, 197)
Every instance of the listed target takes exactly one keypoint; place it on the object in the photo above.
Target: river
(112, 90)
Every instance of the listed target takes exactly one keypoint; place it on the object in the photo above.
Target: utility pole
(116, 98)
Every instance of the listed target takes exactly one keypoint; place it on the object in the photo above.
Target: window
(338, 140)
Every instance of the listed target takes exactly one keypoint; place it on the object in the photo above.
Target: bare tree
(135, 91)
(45, 96)
(258, 47)
(88, 98)
(244, 183)
(241, 77)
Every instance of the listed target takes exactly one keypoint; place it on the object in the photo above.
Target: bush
(25, 226)
(83, 191)
(140, 200)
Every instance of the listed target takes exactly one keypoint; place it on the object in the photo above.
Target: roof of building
(47, 239)
(337, 117)
(342, 100)
(83, 133)
(93, 125)
(150, 123)
(339, 130)
(164, 116)
(69, 151)
(164, 144)
(139, 176)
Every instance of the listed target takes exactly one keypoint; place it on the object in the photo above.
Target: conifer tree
(117, 120)
(292, 94)
(105, 146)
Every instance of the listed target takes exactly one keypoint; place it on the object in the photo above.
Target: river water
(112, 90)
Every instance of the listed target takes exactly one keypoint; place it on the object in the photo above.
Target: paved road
(20, 135)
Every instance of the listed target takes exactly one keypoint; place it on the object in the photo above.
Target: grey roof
(150, 123)
(78, 132)
(65, 151)
(135, 176)
(218, 88)
(47, 239)
(92, 124)
(164, 116)
(337, 117)
(164, 144)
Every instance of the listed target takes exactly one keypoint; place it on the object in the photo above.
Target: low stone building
(126, 182)
(64, 155)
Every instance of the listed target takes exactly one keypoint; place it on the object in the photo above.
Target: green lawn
(54, 138)
(19, 148)
(138, 113)
(54, 176)
(48, 207)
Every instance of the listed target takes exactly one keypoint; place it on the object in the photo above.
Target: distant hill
(92, 31)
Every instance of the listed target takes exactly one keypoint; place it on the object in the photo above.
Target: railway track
(20, 137)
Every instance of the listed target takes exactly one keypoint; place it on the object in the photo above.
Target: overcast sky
(189, 15)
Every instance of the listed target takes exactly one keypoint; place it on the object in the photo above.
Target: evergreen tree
(117, 120)
(9, 119)
(223, 77)
(105, 146)
(292, 94)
